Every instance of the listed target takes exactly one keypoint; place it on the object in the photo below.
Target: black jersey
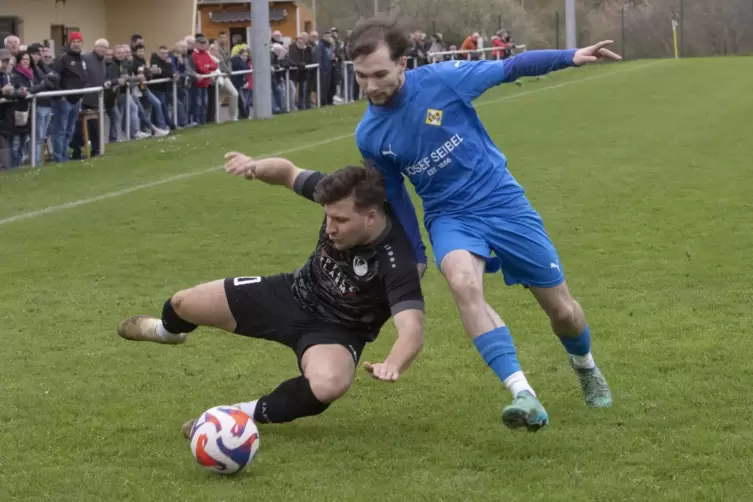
(362, 287)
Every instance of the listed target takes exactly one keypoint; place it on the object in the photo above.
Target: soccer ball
(224, 440)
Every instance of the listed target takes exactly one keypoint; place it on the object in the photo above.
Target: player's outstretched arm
(273, 171)
(535, 63)
(410, 340)
(472, 78)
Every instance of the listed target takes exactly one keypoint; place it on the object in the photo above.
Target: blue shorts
(520, 244)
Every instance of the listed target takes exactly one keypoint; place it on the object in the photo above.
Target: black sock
(292, 399)
(172, 321)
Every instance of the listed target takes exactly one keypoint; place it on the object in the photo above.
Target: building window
(307, 26)
(9, 26)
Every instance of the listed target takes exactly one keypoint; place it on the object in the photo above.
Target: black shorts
(264, 307)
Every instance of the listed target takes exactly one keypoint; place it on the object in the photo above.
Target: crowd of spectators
(172, 88)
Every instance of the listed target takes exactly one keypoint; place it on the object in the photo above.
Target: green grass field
(642, 172)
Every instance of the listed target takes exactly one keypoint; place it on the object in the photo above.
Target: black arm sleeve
(401, 279)
(306, 182)
(58, 66)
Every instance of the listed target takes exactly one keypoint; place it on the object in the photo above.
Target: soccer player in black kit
(362, 272)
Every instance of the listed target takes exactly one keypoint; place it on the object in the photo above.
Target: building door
(57, 37)
(236, 34)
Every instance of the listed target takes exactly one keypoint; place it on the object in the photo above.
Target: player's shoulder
(362, 129)
(370, 130)
(432, 80)
(458, 65)
(366, 128)
(306, 181)
(396, 247)
(440, 68)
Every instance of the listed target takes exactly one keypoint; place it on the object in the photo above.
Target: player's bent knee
(185, 304)
(329, 386)
(178, 301)
(464, 272)
(329, 369)
(465, 285)
(563, 314)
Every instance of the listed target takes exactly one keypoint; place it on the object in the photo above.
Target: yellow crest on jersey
(434, 117)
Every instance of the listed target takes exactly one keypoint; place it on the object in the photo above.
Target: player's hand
(382, 371)
(595, 53)
(239, 164)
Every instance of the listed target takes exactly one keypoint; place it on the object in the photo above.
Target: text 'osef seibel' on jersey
(438, 159)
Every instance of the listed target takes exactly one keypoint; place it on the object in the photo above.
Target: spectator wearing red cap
(73, 75)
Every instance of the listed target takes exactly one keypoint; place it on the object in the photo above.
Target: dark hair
(135, 37)
(163, 48)
(368, 34)
(34, 48)
(365, 184)
(137, 47)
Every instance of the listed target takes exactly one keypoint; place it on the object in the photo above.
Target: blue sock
(579, 345)
(498, 351)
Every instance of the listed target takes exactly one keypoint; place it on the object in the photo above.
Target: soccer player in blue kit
(422, 124)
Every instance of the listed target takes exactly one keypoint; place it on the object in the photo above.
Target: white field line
(308, 146)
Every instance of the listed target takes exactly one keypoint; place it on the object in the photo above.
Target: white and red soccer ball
(224, 440)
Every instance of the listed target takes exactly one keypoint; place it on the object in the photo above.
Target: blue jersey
(431, 133)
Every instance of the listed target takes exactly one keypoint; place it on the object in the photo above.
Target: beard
(383, 96)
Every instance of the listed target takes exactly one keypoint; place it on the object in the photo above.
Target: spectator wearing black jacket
(96, 77)
(112, 95)
(280, 63)
(301, 55)
(72, 71)
(180, 63)
(338, 76)
(243, 83)
(164, 92)
(23, 77)
(121, 67)
(354, 91)
(9, 96)
(192, 81)
(45, 74)
(183, 60)
(325, 57)
(139, 67)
